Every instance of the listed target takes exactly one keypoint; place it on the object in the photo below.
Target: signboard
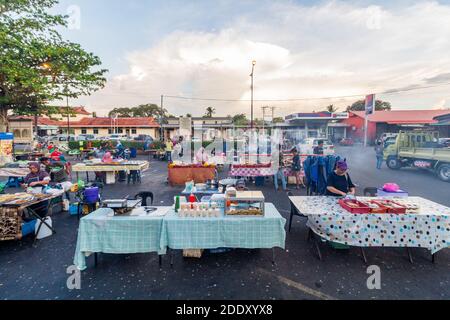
(6, 147)
(318, 116)
(370, 104)
(185, 127)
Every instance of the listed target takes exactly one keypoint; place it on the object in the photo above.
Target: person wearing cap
(339, 182)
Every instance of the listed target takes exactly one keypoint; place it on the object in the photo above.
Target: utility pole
(68, 117)
(161, 130)
(251, 75)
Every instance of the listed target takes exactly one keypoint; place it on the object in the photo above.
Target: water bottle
(177, 203)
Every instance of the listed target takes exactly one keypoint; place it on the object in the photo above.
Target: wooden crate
(10, 224)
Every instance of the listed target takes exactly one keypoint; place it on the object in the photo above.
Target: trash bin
(133, 153)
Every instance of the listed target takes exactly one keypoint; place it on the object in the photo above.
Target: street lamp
(251, 75)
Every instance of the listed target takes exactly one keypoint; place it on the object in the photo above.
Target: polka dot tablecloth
(428, 228)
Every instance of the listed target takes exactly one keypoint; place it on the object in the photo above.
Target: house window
(95, 130)
(119, 130)
(133, 131)
(110, 131)
(83, 131)
(17, 133)
(26, 133)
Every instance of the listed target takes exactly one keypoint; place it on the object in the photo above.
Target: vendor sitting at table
(339, 182)
(37, 177)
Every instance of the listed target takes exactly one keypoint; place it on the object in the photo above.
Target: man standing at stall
(169, 149)
(318, 150)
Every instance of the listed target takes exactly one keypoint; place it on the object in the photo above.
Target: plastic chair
(370, 192)
(144, 195)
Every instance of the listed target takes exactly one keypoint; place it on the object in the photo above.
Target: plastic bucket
(44, 231)
(91, 195)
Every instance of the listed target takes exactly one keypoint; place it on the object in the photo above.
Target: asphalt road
(28, 272)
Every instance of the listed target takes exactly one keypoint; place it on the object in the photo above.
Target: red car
(346, 142)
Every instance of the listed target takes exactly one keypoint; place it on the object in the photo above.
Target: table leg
(410, 255)
(87, 177)
(171, 258)
(77, 177)
(433, 258)
(363, 253)
(273, 256)
(160, 260)
(95, 259)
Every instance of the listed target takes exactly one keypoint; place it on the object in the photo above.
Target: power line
(387, 92)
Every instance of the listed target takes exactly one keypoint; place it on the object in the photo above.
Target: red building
(391, 121)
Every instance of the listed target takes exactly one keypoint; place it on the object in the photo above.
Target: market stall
(110, 168)
(187, 232)
(408, 222)
(241, 220)
(12, 207)
(179, 174)
(103, 232)
(251, 170)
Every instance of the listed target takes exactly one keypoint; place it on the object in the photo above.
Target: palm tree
(209, 112)
(331, 108)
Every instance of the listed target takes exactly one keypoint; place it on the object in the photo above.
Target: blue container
(73, 209)
(28, 228)
(259, 181)
(91, 195)
(133, 152)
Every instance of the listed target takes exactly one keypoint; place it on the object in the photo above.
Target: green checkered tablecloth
(224, 232)
(102, 232)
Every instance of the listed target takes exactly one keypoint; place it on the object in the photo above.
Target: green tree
(240, 120)
(331, 108)
(278, 120)
(121, 113)
(210, 111)
(36, 64)
(360, 105)
(149, 110)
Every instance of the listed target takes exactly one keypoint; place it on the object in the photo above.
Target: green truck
(419, 149)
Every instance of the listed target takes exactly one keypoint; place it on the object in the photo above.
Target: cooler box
(28, 227)
(400, 193)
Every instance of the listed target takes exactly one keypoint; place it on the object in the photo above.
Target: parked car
(347, 142)
(143, 138)
(86, 137)
(445, 142)
(62, 138)
(117, 137)
(308, 145)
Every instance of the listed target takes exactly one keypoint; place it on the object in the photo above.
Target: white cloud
(332, 49)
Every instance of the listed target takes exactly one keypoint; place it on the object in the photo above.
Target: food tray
(358, 208)
(380, 208)
(392, 206)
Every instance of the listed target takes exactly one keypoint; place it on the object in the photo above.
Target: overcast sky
(303, 49)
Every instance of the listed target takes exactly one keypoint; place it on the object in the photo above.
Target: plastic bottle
(177, 203)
